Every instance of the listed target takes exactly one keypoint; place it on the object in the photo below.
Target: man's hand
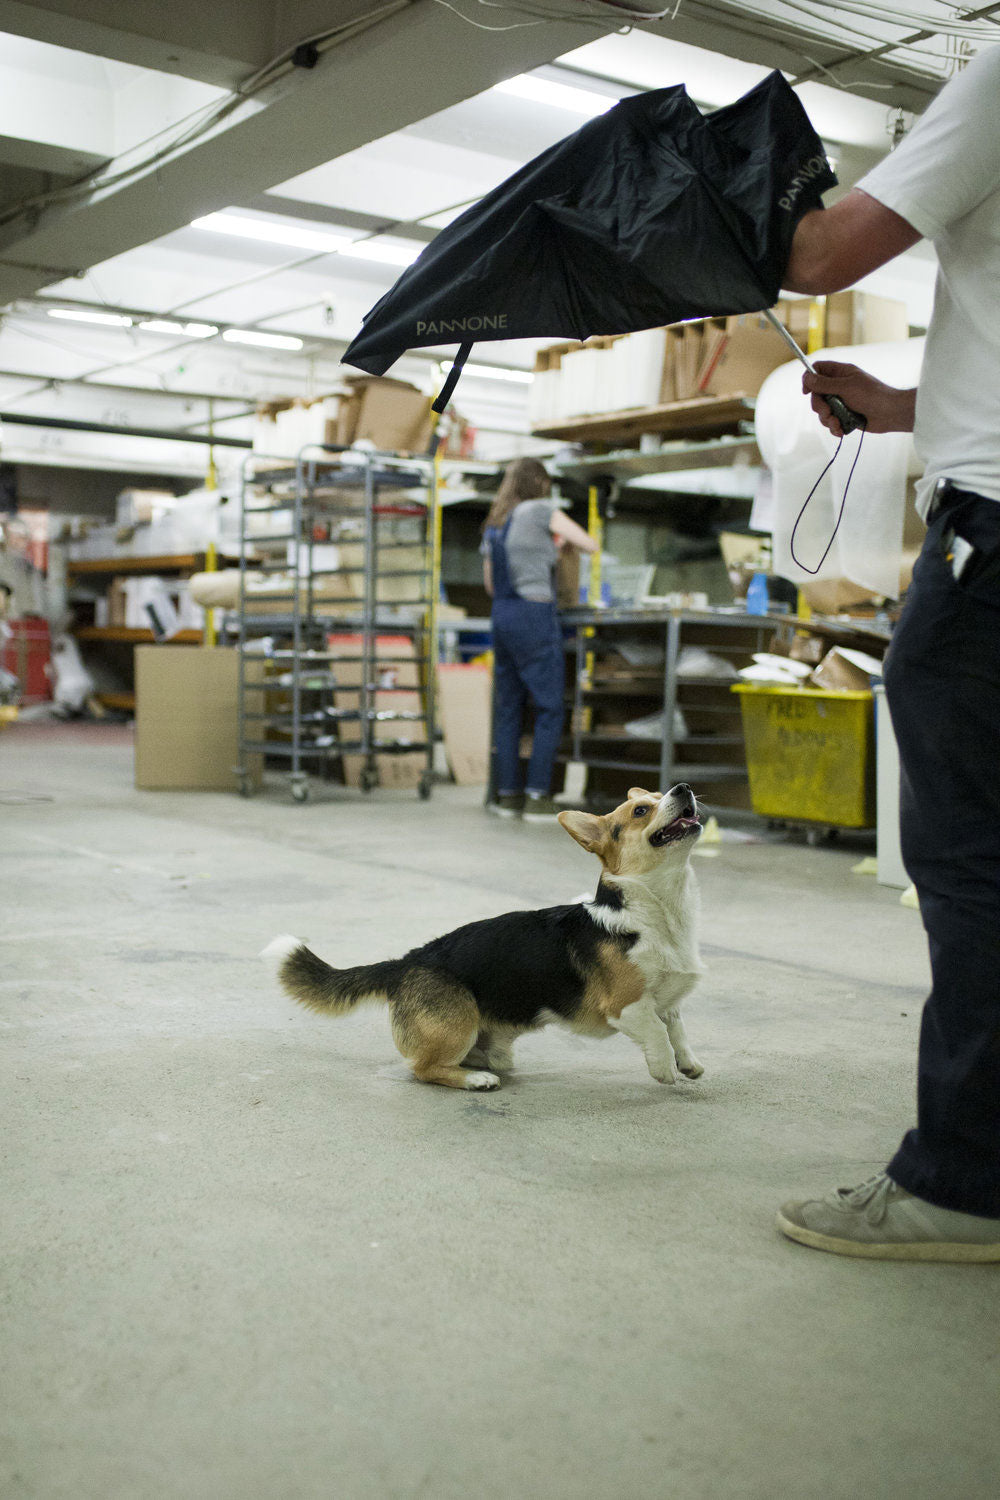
(886, 408)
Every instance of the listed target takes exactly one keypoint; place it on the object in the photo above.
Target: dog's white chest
(659, 963)
(667, 945)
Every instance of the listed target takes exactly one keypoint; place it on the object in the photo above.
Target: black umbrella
(648, 215)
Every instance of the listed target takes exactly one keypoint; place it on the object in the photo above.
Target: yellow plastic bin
(810, 754)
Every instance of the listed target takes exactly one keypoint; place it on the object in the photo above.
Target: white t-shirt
(944, 179)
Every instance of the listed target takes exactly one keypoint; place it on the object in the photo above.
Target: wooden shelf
(703, 416)
(123, 633)
(182, 562)
(675, 457)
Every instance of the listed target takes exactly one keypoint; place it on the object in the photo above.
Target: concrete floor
(247, 1257)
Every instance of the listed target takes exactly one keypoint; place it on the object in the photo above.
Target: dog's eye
(639, 812)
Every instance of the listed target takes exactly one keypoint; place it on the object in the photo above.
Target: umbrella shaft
(779, 327)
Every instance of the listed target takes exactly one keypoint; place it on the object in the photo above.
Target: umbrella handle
(849, 419)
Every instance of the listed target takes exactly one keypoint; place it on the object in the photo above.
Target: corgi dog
(622, 962)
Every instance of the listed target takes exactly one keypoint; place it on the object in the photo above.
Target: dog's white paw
(691, 1067)
(663, 1070)
(481, 1081)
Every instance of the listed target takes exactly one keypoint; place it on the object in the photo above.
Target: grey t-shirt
(531, 550)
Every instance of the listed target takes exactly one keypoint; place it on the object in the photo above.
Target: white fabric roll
(221, 589)
(796, 448)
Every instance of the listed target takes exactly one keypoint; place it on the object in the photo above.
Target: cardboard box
(400, 681)
(805, 319)
(329, 590)
(845, 671)
(860, 318)
(117, 600)
(464, 698)
(392, 414)
(413, 561)
(185, 719)
(831, 596)
(686, 348)
(568, 574)
(738, 355)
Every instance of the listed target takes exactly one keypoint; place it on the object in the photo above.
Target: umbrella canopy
(649, 214)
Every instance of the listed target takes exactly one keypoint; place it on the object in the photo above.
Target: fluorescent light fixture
(85, 315)
(184, 330)
(559, 95)
(261, 340)
(377, 250)
(272, 232)
(492, 372)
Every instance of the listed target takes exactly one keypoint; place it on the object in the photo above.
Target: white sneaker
(883, 1221)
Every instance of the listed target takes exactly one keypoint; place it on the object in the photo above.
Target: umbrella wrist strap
(840, 514)
(445, 394)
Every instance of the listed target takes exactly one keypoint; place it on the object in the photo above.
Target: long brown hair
(524, 479)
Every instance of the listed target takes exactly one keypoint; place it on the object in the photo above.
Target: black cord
(840, 516)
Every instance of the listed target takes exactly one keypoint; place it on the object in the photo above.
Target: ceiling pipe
(171, 435)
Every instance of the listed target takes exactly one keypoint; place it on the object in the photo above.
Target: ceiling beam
(218, 43)
(389, 76)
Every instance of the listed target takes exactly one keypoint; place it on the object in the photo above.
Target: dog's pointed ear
(586, 828)
(637, 791)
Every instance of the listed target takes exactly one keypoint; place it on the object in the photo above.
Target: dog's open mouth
(680, 828)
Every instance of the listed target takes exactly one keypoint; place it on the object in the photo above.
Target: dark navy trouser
(528, 662)
(942, 681)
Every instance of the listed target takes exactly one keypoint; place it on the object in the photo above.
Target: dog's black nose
(684, 792)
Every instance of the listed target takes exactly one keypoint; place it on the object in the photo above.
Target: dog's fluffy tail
(319, 986)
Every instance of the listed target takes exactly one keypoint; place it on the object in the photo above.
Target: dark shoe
(506, 807)
(539, 809)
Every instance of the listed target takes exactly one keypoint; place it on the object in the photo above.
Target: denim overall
(942, 678)
(527, 663)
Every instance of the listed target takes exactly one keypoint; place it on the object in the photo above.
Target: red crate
(27, 653)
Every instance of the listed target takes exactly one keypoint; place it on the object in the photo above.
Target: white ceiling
(65, 110)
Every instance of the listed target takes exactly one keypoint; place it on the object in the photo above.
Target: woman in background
(521, 537)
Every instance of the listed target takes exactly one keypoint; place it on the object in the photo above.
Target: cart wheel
(424, 788)
(300, 791)
(246, 790)
(369, 780)
(816, 836)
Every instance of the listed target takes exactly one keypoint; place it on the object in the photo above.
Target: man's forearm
(906, 411)
(833, 248)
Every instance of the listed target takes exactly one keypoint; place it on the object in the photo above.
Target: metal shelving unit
(355, 502)
(704, 701)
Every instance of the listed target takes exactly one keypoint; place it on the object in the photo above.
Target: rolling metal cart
(350, 539)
